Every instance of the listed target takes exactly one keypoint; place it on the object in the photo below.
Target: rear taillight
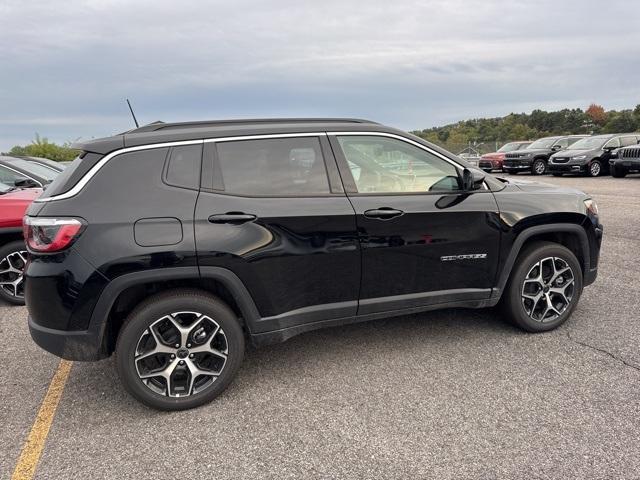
(48, 235)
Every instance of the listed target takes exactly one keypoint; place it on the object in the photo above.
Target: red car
(493, 161)
(13, 255)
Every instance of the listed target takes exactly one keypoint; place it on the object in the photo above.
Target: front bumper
(566, 168)
(516, 166)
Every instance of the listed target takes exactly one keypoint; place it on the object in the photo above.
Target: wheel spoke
(544, 274)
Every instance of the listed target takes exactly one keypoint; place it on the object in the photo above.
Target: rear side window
(630, 140)
(273, 167)
(183, 166)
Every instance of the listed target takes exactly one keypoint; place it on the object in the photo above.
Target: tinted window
(9, 176)
(614, 142)
(565, 142)
(183, 169)
(273, 167)
(630, 140)
(388, 165)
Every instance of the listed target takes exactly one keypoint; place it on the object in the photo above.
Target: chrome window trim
(403, 139)
(21, 174)
(79, 186)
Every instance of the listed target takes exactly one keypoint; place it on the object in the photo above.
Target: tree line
(485, 133)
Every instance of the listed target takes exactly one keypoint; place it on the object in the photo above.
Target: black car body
(291, 225)
(626, 160)
(25, 172)
(590, 155)
(534, 158)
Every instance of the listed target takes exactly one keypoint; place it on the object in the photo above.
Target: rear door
(423, 240)
(273, 211)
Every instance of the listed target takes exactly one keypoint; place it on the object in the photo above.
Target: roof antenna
(133, 114)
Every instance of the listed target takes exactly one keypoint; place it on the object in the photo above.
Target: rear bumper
(83, 345)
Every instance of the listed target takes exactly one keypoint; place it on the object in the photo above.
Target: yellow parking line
(33, 446)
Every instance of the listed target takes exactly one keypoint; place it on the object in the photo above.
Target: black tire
(513, 302)
(618, 172)
(557, 174)
(146, 314)
(539, 167)
(594, 169)
(12, 256)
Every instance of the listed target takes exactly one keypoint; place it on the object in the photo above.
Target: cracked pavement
(449, 394)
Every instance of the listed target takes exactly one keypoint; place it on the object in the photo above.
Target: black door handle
(383, 213)
(234, 218)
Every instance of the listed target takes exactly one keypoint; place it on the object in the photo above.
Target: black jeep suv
(626, 160)
(172, 244)
(590, 156)
(534, 158)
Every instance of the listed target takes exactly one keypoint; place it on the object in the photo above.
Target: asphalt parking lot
(449, 394)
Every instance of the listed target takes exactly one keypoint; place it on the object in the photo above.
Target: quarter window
(183, 169)
(273, 167)
(387, 165)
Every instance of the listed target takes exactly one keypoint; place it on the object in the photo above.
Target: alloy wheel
(11, 273)
(548, 289)
(539, 167)
(594, 169)
(181, 354)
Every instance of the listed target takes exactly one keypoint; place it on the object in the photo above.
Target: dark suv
(626, 160)
(534, 158)
(590, 156)
(172, 244)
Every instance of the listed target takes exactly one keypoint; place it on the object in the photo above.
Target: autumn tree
(597, 114)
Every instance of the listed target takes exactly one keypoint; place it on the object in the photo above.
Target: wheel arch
(126, 291)
(570, 235)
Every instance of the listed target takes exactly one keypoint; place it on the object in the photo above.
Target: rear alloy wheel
(544, 287)
(13, 258)
(539, 167)
(179, 350)
(594, 169)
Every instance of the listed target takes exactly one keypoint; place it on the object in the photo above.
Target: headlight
(592, 207)
(579, 157)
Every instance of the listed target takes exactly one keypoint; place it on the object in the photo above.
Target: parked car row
(593, 156)
(21, 181)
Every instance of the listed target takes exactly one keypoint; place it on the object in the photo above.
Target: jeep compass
(173, 244)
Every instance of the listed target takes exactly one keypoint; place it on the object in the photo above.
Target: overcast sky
(67, 66)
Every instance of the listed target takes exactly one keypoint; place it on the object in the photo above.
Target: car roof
(159, 132)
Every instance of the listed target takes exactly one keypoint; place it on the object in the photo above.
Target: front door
(424, 241)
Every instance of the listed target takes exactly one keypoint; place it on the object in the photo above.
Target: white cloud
(68, 65)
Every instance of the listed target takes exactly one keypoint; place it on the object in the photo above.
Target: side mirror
(25, 183)
(609, 148)
(472, 179)
(555, 148)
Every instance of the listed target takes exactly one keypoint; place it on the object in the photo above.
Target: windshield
(509, 147)
(590, 143)
(46, 173)
(543, 143)
(4, 188)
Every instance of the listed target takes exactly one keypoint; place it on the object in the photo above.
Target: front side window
(273, 167)
(613, 143)
(387, 165)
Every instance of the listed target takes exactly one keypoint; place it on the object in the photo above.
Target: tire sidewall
(153, 309)
(12, 247)
(536, 162)
(525, 262)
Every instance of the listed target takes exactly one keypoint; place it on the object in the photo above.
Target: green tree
(42, 147)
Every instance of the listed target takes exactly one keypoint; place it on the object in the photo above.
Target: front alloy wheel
(13, 259)
(539, 167)
(547, 290)
(595, 169)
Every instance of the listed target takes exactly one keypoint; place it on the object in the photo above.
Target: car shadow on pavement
(338, 351)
